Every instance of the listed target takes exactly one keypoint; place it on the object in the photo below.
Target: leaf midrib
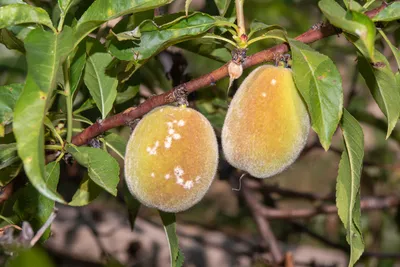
(100, 86)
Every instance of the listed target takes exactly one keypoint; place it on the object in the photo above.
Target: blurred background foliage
(221, 211)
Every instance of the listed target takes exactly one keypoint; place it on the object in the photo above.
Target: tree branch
(123, 118)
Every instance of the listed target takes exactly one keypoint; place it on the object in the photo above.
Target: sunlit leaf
(148, 39)
(348, 184)
(320, 84)
(103, 10)
(358, 25)
(15, 14)
(45, 51)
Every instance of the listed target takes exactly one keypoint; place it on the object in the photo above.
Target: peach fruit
(267, 123)
(171, 158)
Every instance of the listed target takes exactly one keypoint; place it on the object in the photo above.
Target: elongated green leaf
(389, 13)
(8, 97)
(45, 52)
(128, 94)
(86, 193)
(103, 88)
(169, 223)
(116, 143)
(9, 173)
(15, 14)
(77, 65)
(8, 155)
(11, 41)
(257, 26)
(103, 10)
(222, 6)
(32, 206)
(102, 168)
(207, 48)
(381, 81)
(153, 38)
(64, 5)
(348, 184)
(359, 26)
(320, 84)
(395, 50)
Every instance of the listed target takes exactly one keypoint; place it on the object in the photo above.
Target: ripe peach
(171, 158)
(267, 123)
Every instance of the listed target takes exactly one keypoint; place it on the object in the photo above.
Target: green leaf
(102, 87)
(34, 207)
(359, 26)
(320, 84)
(257, 26)
(382, 83)
(389, 13)
(65, 5)
(395, 50)
(35, 256)
(103, 169)
(169, 223)
(15, 14)
(222, 6)
(128, 94)
(103, 10)
(348, 184)
(10, 172)
(132, 203)
(116, 143)
(8, 155)
(77, 66)
(8, 97)
(88, 104)
(86, 192)
(9, 39)
(10, 164)
(154, 38)
(208, 48)
(45, 51)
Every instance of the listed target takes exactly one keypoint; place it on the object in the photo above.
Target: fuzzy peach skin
(267, 123)
(171, 158)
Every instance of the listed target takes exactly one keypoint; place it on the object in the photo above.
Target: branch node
(180, 95)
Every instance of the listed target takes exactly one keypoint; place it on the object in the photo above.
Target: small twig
(44, 227)
(368, 203)
(262, 224)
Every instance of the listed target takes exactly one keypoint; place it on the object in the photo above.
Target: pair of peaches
(172, 155)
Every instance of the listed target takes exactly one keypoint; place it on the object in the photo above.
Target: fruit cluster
(172, 155)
